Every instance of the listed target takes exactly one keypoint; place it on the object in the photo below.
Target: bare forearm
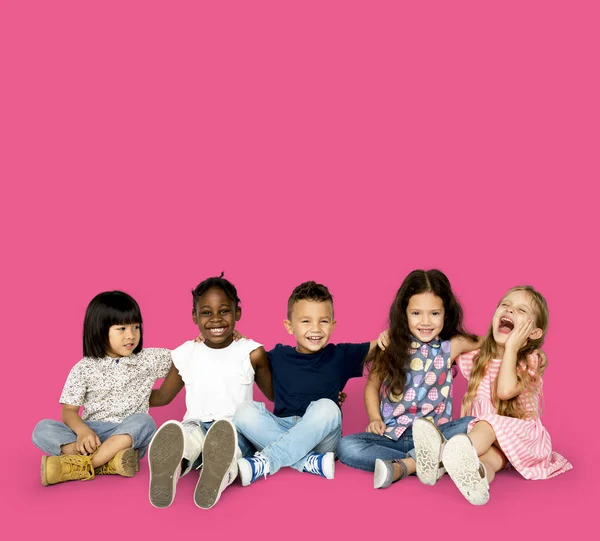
(508, 384)
(372, 402)
(72, 419)
(158, 398)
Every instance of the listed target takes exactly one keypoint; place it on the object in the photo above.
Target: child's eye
(522, 310)
(304, 321)
(224, 311)
(324, 321)
(205, 313)
(435, 313)
(414, 313)
(137, 327)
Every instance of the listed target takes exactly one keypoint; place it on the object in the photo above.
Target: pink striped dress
(525, 442)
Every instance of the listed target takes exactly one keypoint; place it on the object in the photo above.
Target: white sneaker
(429, 443)
(252, 468)
(462, 464)
(219, 463)
(322, 464)
(164, 458)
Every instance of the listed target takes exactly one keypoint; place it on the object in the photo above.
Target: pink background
(145, 146)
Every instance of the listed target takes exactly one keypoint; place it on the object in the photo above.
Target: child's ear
(333, 323)
(288, 326)
(194, 316)
(238, 313)
(536, 334)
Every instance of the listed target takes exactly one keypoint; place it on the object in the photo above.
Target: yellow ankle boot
(125, 463)
(57, 469)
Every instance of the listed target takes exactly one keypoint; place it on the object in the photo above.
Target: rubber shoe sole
(428, 441)
(218, 455)
(164, 458)
(462, 464)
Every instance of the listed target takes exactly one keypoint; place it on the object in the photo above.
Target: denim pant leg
(361, 450)
(258, 425)
(289, 440)
(141, 427)
(449, 429)
(49, 435)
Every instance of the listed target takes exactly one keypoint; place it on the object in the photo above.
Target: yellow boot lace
(77, 467)
(107, 469)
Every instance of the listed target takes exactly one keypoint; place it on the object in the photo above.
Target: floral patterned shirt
(111, 389)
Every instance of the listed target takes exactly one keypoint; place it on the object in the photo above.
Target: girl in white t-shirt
(218, 375)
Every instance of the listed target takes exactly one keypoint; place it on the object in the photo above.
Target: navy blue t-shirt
(299, 379)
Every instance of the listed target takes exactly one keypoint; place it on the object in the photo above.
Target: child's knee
(328, 410)
(42, 428)
(246, 413)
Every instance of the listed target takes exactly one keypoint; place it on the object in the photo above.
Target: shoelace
(259, 466)
(76, 464)
(314, 463)
(106, 469)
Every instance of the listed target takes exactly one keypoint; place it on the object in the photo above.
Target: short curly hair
(310, 291)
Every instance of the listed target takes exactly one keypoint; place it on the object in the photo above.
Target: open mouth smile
(217, 331)
(506, 325)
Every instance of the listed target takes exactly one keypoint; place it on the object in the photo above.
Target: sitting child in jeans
(113, 383)
(306, 424)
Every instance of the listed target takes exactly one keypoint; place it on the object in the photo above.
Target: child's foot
(125, 463)
(252, 469)
(57, 469)
(164, 458)
(386, 472)
(429, 443)
(462, 464)
(320, 464)
(219, 463)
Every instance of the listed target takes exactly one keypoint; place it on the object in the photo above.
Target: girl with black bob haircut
(105, 310)
(113, 383)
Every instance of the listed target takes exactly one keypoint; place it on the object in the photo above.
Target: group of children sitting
(225, 434)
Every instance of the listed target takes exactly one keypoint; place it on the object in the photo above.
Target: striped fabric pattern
(525, 442)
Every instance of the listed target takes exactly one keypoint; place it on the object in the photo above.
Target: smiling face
(425, 315)
(311, 323)
(123, 339)
(216, 314)
(517, 307)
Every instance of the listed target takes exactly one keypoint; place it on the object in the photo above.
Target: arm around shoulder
(461, 344)
(169, 389)
(262, 372)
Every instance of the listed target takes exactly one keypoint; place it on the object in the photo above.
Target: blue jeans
(50, 435)
(286, 441)
(361, 450)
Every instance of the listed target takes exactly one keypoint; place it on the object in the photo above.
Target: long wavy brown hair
(392, 364)
(529, 378)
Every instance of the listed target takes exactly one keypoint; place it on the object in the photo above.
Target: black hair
(310, 291)
(105, 310)
(219, 282)
(391, 364)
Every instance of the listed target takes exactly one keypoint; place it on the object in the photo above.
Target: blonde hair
(528, 377)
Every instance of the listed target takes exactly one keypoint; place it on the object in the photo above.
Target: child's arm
(87, 440)
(461, 344)
(508, 384)
(383, 341)
(372, 403)
(168, 390)
(262, 372)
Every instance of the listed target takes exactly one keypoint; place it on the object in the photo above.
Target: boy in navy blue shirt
(306, 423)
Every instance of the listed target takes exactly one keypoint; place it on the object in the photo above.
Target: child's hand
(87, 442)
(376, 427)
(384, 339)
(518, 337)
(342, 398)
(236, 336)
